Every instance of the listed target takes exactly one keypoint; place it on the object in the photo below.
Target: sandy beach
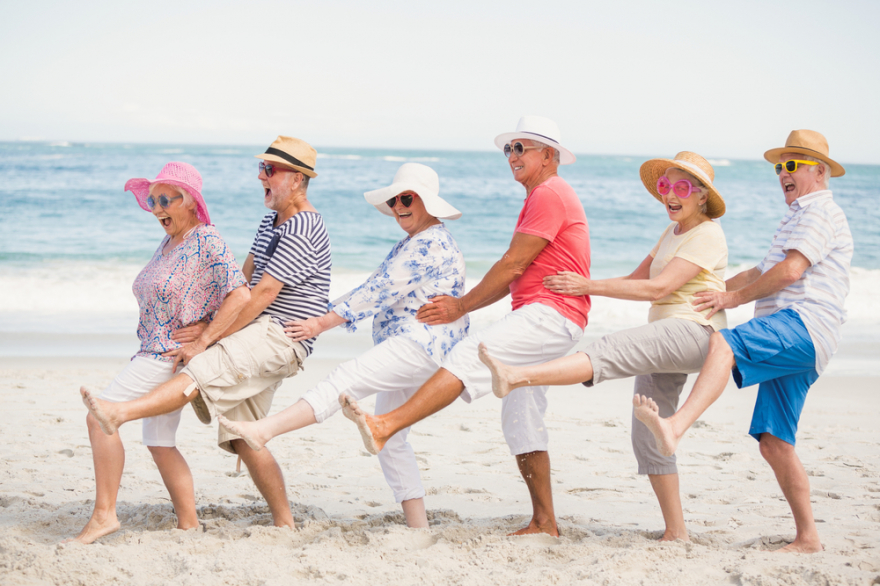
(350, 530)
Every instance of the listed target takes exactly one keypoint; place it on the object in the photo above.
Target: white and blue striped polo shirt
(816, 227)
(297, 253)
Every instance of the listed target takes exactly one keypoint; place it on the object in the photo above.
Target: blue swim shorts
(776, 353)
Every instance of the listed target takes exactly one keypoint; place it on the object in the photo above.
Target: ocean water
(72, 240)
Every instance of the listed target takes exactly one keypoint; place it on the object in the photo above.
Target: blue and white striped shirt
(816, 227)
(297, 253)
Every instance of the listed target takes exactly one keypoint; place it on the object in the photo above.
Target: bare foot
(246, 430)
(534, 527)
(95, 529)
(646, 411)
(362, 419)
(502, 382)
(674, 536)
(103, 411)
(801, 546)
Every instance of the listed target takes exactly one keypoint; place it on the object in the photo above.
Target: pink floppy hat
(181, 175)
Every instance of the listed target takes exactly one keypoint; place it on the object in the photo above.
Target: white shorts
(528, 336)
(395, 369)
(138, 378)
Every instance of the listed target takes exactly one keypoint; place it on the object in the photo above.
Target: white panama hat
(540, 129)
(420, 179)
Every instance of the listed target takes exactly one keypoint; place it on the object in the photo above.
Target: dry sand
(349, 530)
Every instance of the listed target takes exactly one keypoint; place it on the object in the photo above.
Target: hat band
(792, 146)
(288, 158)
(553, 140)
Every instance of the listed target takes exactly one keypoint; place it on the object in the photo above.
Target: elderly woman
(690, 256)
(406, 353)
(192, 277)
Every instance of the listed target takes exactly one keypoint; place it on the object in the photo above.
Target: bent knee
(773, 448)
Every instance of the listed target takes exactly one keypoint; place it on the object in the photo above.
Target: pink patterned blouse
(183, 286)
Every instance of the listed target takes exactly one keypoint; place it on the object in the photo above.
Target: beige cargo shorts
(237, 377)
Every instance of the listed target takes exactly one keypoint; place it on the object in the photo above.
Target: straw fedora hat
(691, 163)
(540, 129)
(181, 175)
(806, 142)
(420, 179)
(292, 152)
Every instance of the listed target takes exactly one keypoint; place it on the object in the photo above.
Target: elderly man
(289, 273)
(551, 235)
(800, 287)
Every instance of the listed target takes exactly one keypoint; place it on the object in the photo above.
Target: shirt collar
(805, 200)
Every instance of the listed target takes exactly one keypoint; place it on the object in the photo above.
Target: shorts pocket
(763, 341)
(284, 364)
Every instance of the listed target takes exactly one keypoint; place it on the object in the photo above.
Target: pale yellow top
(706, 247)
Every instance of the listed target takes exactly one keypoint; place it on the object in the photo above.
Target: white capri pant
(530, 335)
(138, 378)
(395, 369)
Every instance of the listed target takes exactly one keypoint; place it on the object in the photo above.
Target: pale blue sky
(725, 79)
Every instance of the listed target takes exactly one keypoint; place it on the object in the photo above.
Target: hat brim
(140, 187)
(652, 170)
(772, 156)
(434, 204)
(566, 157)
(286, 164)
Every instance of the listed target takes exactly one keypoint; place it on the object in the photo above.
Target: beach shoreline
(348, 526)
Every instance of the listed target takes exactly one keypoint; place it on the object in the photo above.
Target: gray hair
(540, 144)
(188, 200)
(822, 163)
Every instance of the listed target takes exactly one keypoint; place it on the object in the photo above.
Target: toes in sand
(93, 531)
(99, 411)
(243, 429)
(500, 379)
(352, 410)
(646, 411)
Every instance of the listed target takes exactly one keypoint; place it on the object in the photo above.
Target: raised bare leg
(108, 456)
(795, 486)
(167, 397)
(535, 470)
(414, 513)
(567, 370)
(666, 488)
(267, 476)
(709, 386)
(179, 481)
(438, 392)
(258, 433)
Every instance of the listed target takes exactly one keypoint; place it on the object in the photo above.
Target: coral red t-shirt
(552, 211)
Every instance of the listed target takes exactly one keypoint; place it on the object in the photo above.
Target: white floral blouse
(417, 268)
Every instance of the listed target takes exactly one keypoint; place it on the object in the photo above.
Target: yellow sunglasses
(791, 166)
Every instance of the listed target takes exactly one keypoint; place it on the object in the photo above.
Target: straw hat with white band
(292, 153)
(419, 179)
(541, 129)
(806, 142)
(691, 163)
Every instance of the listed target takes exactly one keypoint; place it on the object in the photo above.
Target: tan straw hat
(806, 142)
(691, 163)
(293, 153)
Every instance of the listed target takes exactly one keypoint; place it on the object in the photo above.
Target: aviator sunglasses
(791, 166)
(682, 188)
(406, 200)
(517, 149)
(163, 201)
(269, 169)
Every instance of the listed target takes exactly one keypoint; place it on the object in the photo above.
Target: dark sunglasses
(269, 169)
(406, 200)
(517, 149)
(791, 166)
(163, 201)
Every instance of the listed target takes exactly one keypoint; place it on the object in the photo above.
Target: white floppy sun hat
(540, 129)
(419, 179)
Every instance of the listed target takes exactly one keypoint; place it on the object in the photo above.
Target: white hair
(540, 144)
(188, 200)
(822, 163)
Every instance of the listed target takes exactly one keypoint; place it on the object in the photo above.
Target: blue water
(65, 202)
